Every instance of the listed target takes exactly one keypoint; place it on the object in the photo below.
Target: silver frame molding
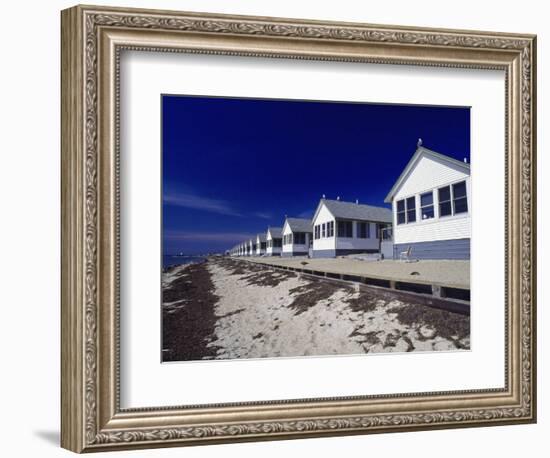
(92, 39)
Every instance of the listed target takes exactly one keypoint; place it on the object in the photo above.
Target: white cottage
(274, 241)
(341, 228)
(252, 245)
(431, 207)
(260, 244)
(297, 235)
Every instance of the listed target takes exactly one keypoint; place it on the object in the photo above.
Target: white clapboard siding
(324, 216)
(457, 227)
(429, 173)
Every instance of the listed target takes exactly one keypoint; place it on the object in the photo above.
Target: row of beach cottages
(429, 216)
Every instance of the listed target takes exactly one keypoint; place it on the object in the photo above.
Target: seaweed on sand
(365, 301)
(448, 325)
(188, 328)
(308, 295)
(268, 278)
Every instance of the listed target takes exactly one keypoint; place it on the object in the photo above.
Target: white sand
(257, 322)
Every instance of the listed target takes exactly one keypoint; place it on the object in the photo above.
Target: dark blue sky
(231, 167)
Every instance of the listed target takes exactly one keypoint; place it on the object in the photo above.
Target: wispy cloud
(194, 201)
(263, 215)
(206, 236)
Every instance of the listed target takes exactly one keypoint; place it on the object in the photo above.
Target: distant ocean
(171, 260)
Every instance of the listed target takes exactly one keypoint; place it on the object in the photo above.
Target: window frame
(363, 225)
(437, 215)
(406, 210)
(454, 199)
(422, 207)
(345, 223)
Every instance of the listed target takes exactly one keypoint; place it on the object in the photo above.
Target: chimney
(465, 160)
(357, 201)
(338, 198)
(324, 197)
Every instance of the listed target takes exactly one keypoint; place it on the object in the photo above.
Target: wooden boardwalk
(439, 283)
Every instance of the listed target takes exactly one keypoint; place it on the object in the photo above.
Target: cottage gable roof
(419, 153)
(359, 212)
(260, 237)
(299, 224)
(276, 232)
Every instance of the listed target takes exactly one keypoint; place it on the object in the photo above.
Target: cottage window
(331, 229)
(411, 209)
(277, 243)
(363, 230)
(262, 246)
(460, 200)
(445, 207)
(427, 205)
(345, 229)
(406, 210)
(401, 216)
(323, 230)
(299, 238)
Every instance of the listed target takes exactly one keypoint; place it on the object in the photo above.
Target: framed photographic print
(278, 228)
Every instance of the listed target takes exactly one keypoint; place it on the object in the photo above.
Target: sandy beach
(229, 309)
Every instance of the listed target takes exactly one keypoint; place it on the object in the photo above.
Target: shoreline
(246, 310)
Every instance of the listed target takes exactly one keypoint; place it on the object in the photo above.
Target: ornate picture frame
(92, 40)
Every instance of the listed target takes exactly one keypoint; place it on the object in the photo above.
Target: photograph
(294, 228)
(268, 224)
